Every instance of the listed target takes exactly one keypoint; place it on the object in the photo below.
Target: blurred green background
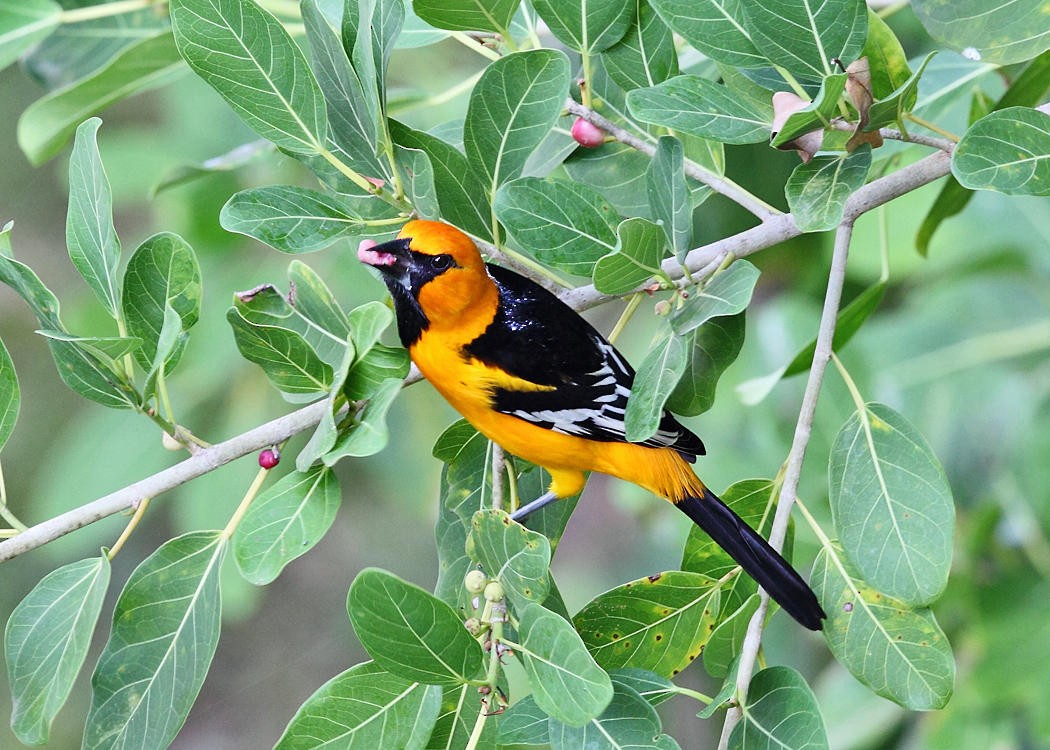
(958, 346)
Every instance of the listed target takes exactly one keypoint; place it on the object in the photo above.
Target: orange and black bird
(533, 376)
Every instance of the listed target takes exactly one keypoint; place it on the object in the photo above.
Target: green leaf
(803, 36)
(715, 27)
(781, 712)
(289, 362)
(726, 696)
(646, 55)
(79, 48)
(90, 236)
(266, 306)
(566, 682)
(669, 194)
(354, 127)
(411, 633)
(524, 725)
(565, 225)
(47, 123)
(315, 301)
(162, 272)
(815, 115)
(364, 708)
(91, 376)
(94, 378)
(999, 33)
(10, 395)
(1007, 151)
(506, 550)
(47, 640)
(289, 218)
(285, 522)
(24, 281)
(247, 56)
(418, 176)
(892, 505)
(659, 623)
(726, 640)
(586, 27)
(460, 193)
(514, 105)
(1026, 90)
(368, 434)
(891, 109)
(887, 63)
(900, 653)
(369, 31)
(165, 629)
(710, 349)
(628, 722)
(467, 15)
(657, 377)
(170, 341)
(450, 535)
(24, 24)
(817, 191)
(727, 293)
(636, 259)
(106, 349)
(651, 686)
(615, 170)
(703, 108)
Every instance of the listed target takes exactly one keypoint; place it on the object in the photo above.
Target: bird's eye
(440, 262)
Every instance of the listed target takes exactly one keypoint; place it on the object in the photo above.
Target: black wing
(537, 337)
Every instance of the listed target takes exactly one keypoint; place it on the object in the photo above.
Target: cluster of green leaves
(510, 175)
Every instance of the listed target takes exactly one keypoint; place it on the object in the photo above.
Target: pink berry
(269, 458)
(587, 134)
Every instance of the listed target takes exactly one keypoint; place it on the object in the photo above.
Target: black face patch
(409, 272)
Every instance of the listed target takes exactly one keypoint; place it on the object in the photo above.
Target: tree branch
(772, 231)
(204, 461)
(793, 467)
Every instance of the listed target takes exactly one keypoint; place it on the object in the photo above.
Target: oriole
(532, 375)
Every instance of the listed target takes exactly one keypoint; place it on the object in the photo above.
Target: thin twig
(773, 231)
(793, 468)
(206, 460)
(889, 134)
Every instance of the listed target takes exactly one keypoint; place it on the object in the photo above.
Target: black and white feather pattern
(537, 338)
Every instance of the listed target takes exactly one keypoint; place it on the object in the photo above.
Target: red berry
(269, 458)
(587, 134)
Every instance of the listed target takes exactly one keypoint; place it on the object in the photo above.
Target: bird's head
(434, 273)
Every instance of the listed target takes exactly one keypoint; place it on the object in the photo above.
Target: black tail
(756, 557)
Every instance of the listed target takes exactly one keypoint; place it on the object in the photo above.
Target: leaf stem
(931, 127)
(140, 511)
(346, 171)
(793, 82)
(473, 44)
(632, 305)
(249, 496)
(695, 694)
